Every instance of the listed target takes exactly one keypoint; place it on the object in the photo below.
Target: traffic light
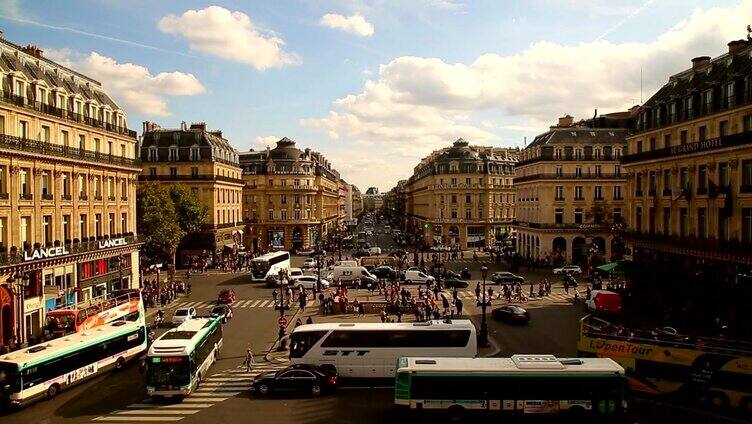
(426, 226)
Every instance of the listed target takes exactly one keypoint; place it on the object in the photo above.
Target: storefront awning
(612, 267)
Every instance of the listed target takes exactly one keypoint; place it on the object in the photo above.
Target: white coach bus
(372, 350)
(269, 265)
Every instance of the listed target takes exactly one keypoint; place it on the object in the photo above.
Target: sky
(375, 85)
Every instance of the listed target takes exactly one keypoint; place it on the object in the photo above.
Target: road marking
(157, 412)
(218, 393)
(310, 303)
(265, 303)
(125, 418)
(173, 405)
(254, 303)
(202, 399)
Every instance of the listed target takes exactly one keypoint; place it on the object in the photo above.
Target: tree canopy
(190, 212)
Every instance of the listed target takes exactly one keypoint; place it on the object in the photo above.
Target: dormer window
(153, 154)
(41, 95)
(195, 153)
(173, 154)
(18, 88)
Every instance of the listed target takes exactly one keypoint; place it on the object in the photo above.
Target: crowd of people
(155, 294)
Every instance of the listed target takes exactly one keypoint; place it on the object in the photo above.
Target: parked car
(299, 378)
(418, 277)
(454, 283)
(384, 271)
(225, 296)
(182, 315)
(221, 311)
(604, 301)
(568, 269)
(512, 314)
(504, 277)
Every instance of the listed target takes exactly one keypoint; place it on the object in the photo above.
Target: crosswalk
(243, 303)
(213, 390)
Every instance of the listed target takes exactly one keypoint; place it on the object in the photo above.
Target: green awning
(612, 267)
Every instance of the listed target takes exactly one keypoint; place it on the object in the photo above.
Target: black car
(451, 274)
(512, 314)
(384, 272)
(454, 283)
(504, 277)
(222, 311)
(298, 378)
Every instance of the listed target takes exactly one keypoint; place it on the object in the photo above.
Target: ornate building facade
(689, 171)
(461, 195)
(570, 190)
(291, 197)
(204, 161)
(68, 171)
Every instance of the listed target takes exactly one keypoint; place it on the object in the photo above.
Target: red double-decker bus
(94, 312)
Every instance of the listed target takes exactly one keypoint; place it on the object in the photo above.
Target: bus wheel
(718, 400)
(119, 364)
(52, 391)
(456, 413)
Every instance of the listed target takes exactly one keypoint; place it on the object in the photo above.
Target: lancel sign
(49, 252)
(115, 242)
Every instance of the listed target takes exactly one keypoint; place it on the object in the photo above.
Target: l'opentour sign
(49, 252)
(114, 242)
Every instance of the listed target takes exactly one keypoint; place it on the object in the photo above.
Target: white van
(349, 273)
(344, 263)
(416, 277)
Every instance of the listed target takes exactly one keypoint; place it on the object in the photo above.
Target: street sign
(282, 321)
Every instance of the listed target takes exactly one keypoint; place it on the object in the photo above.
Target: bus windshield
(259, 267)
(302, 341)
(173, 371)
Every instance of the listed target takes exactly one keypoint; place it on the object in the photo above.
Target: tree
(158, 223)
(191, 214)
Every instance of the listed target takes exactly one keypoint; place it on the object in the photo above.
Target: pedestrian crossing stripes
(212, 390)
(247, 303)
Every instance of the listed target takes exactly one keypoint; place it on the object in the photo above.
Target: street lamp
(282, 284)
(483, 337)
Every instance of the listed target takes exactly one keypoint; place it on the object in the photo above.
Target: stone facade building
(291, 197)
(204, 161)
(461, 195)
(570, 190)
(68, 170)
(689, 170)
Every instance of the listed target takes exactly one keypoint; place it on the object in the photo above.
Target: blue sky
(378, 84)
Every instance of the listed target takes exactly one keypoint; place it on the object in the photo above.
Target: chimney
(150, 126)
(700, 61)
(201, 126)
(183, 126)
(736, 45)
(566, 121)
(217, 133)
(32, 50)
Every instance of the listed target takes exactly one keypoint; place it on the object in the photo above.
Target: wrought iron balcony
(27, 145)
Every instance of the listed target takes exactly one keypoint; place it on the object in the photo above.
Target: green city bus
(522, 384)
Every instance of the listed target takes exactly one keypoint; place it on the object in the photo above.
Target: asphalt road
(120, 396)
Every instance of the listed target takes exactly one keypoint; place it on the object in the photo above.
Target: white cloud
(229, 35)
(132, 86)
(445, 4)
(266, 140)
(354, 24)
(416, 104)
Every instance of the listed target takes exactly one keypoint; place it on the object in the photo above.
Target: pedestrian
(383, 316)
(309, 320)
(477, 291)
(459, 307)
(298, 322)
(361, 310)
(248, 360)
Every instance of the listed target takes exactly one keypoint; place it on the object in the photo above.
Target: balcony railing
(47, 196)
(568, 176)
(64, 114)
(553, 226)
(193, 177)
(67, 197)
(15, 255)
(26, 196)
(701, 246)
(43, 148)
(83, 197)
(4, 196)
